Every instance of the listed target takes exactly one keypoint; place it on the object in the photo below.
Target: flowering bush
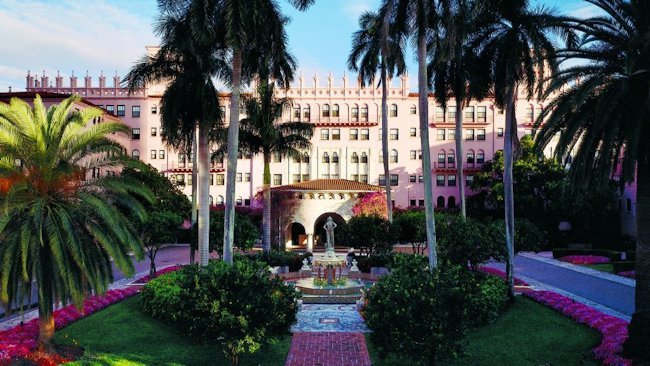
(21, 340)
(371, 204)
(630, 274)
(585, 259)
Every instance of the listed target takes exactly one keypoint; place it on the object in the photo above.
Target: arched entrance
(298, 234)
(319, 231)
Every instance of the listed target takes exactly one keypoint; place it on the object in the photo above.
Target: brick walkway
(328, 349)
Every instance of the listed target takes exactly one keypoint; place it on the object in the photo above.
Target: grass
(605, 267)
(122, 335)
(527, 334)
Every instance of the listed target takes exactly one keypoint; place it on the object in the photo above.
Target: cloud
(584, 11)
(71, 35)
(354, 9)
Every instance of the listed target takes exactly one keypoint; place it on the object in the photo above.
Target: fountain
(327, 287)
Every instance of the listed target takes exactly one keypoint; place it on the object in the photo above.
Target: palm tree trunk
(266, 215)
(426, 154)
(233, 146)
(195, 187)
(459, 157)
(508, 190)
(204, 195)
(45, 306)
(639, 328)
(384, 140)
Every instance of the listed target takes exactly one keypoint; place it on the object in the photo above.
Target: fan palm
(602, 112)
(416, 19)
(260, 133)
(374, 47)
(515, 45)
(58, 228)
(188, 60)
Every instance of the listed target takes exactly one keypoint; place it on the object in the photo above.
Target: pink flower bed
(585, 259)
(612, 329)
(20, 340)
(629, 274)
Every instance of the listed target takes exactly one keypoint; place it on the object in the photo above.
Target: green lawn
(122, 335)
(605, 267)
(527, 334)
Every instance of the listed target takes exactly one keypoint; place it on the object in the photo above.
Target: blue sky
(110, 35)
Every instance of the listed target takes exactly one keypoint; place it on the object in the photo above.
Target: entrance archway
(298, 234)
(319, 231)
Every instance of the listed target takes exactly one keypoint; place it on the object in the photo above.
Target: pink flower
(585, 259)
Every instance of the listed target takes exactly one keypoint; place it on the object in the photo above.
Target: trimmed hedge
(611, 254)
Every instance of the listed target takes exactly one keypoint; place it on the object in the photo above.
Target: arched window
(414, 109)
(355, 157)
(135, 154)
(364, 112)
(211, 200)
(381, 157)
(219, 200)
(451, 202)
(239, 201)
(335, 110)
(393, 156)
(306, 113)
(326, 110)
(326, 158)
(440, 202)
(529, 113)
(393, 110)
(480, 157)
(451, 158)
(355, 113)
(364, 158)
(296, 112)
(335, 158)
(470, 156)
(442, 158)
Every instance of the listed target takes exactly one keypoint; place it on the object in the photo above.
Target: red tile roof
(328, 185)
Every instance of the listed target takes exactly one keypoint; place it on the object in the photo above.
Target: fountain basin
(347, 293)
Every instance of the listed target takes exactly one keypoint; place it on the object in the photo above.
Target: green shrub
(467, 242)
(277, 258)
(528, 237)
(238, 305)
(365, 263)
(370, 234)
(426, 315)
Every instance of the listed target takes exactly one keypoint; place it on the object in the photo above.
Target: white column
(310, 243)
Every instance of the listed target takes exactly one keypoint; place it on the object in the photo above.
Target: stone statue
(329, 230)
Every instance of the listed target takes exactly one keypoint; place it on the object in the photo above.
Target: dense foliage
(468, 242)
(425, 315)
(369, 234)
(240, 306)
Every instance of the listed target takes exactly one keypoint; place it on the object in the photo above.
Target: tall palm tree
(451, 68)
(416, 19)
(187, 59)
(374, 47)
(261, 133)
(59, 228)
(602, 112)
(515, 49)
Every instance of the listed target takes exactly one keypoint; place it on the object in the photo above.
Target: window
(451, 180)
(325, 176)
(355, 113)
(354, 134)
(181, 158)
(420, 178)
(469, 179)
(220, 179)
(481, 114)
(500, 111)
(121, 111)
(161, 154)
(296, 113)
(326, 110)
(451, 113)
(135, 154)
(440, 133)
(394, 133)
(189, 179)
(364, 112)
(529, 113)
(480, 157)
(451, 202)
(154, 131)
(413, 110)
(135, 111)
(470, 157)
(412, 203)
(365, 134)
(381, 156)
(440, 114)
(364, 160)
(335, 110)
(110, 109)
(419, 154)
(325, 134)
(154, 154)
(154, 109)
(238, 177)
(211, 179)
(469, 114)
(441, 159)
(413, 132)
(335, 176)
(440, 180)
(135, 134)
(326, 158)
(305, 177)
(355, 158)
(393, 156)
(306, 113)
(277, 179)
(451, 134)
(421, 203)
(380, 135)
(413, 179)
(247, 177)
(382, 180)
(239, 201)
(354, 177)
(277, 158)
(295, 178)
(394, 180)
(469, 134)
(305, 159)
(500, 132)
(413, 154)
(451, 159)
(336, 134)
(480, 134)
(180, 178)
(335, 158)
(363, 178)
(393, 110)
(219, 200)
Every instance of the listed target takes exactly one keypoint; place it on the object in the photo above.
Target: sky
(95, 36)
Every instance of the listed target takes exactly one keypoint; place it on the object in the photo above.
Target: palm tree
(59, 228)
(415, 19)
(514, 50)
(602, 111)
(451, 68)
(374, 47)
(187, 59)
(260, 133)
